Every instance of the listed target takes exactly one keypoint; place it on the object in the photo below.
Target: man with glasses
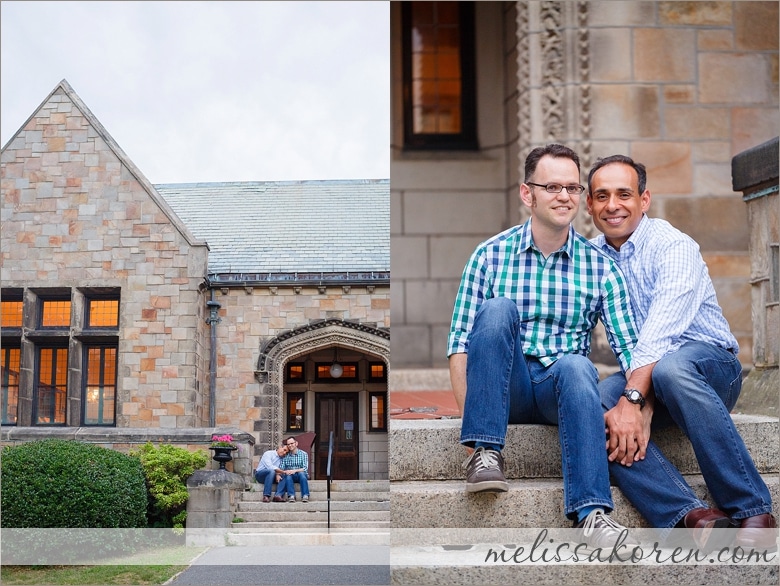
(528, 301)
(295, 468)
(685, 372)
(269, 470)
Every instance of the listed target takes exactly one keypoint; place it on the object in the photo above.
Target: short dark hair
(552, 150)
(641, 172)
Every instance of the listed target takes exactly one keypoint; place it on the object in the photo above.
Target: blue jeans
(267, 478)
(504, 386)
(695, 388)
(289, 483)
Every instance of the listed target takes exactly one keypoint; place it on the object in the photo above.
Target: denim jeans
(695, 388)
(267, 478)
(302, 479)
(504, 386)
(286, 486)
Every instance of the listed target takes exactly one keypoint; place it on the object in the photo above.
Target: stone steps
(530, 502)
(431, 450)
(356, 507)
(439, 534)
(312, 506)
(320, 523)
(286, 515)
(308, 536)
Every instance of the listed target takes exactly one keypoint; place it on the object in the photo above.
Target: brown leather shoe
(278, 499)
(758, 532)
(701, 523)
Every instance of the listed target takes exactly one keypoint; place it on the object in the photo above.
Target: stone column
(212, 496)
(754, 172)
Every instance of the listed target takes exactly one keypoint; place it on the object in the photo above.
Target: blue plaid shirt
(299, 459)
(560, 298)
(672, 295)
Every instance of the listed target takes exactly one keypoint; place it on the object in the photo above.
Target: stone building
(680, 86)
(134, 312)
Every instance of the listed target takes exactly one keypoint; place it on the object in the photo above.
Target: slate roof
(281, 227)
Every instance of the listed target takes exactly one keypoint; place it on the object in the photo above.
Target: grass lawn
(84, 575)
(155, 567)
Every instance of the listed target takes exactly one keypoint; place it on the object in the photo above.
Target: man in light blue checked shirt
(685, 371)
(521, 329)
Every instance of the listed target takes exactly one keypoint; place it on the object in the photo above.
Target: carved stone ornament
(278, 351)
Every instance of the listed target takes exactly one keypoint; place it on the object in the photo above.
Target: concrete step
(347, 485)
(465, 567)
(307, 536)
(335, 506)
(322, 496)
(372, 525)
(430, 449)
(280, 515)
(530, 502)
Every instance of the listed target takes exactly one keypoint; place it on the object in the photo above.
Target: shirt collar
(525, 240)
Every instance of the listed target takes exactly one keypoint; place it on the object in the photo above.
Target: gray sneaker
(599, 530)
(485, 471)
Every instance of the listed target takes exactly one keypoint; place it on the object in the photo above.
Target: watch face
(633, 395)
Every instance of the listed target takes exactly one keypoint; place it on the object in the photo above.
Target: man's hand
(628, 431)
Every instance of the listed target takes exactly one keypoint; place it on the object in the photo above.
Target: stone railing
(754, 172)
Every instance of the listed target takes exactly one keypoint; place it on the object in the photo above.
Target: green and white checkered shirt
(560, 298)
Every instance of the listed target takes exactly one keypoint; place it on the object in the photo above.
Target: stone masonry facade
(78, 214)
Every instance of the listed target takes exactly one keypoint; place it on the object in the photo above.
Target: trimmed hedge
(66, 483)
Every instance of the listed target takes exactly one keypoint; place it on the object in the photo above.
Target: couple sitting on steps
(285, 465)
(528, 301)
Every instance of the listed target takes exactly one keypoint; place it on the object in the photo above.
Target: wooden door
(337, 412)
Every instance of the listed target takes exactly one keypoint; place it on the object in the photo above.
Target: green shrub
(166, 469)
(66, 483)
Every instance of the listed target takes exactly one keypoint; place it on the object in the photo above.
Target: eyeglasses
(557, 188)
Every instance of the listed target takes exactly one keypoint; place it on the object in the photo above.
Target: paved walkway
(288, 566)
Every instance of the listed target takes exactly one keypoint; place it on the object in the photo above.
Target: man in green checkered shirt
(521, 329)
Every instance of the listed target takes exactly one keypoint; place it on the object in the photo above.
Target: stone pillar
(212, 496)
(755, 173)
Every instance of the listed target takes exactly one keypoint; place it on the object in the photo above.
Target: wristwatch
(634, 397)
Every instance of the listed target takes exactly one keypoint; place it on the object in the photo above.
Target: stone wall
(251, 317)
(78, 214)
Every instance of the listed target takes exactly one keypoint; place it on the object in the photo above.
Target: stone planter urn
(222, 454)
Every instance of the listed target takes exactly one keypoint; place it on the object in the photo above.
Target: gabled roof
(63, 88)
(328, 227)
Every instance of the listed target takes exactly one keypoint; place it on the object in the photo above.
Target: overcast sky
(213, 91)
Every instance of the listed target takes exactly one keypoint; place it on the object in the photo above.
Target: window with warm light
(11, 313)
(52, 386)
(69, 376)
(438, 72)
(103, 313)
(378, 412)
(55, 313)
(100, 390)
(295, 420)
(11, 360)
(296, 372)
(349, 372)
(377, 372)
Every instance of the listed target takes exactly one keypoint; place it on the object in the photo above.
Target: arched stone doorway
(292, 370)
